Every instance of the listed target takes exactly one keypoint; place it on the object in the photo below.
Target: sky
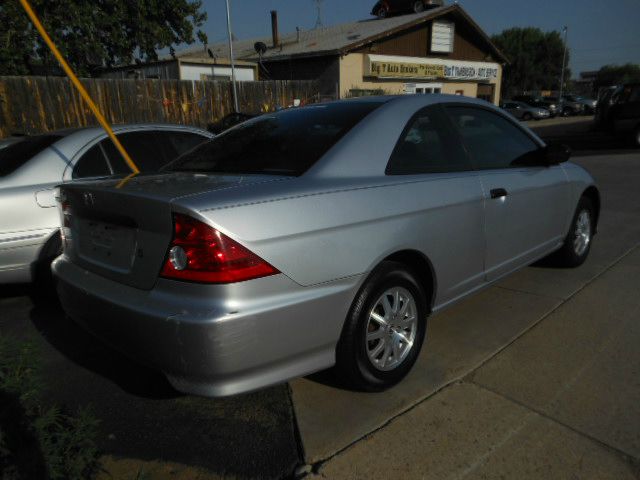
(600, 32)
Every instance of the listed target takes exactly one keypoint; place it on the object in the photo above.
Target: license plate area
(108, 245)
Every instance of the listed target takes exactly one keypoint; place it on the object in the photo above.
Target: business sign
(381, 66)
(406, 70)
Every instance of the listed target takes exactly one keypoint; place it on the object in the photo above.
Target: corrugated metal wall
(30, 105)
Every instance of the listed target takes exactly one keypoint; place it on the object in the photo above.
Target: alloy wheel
(582, 235)
(391, 329)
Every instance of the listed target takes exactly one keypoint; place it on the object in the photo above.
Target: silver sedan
(523, 111)
(318, 236)
(31, 167)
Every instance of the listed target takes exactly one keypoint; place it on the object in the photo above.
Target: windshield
(20, 151)
(282, 143)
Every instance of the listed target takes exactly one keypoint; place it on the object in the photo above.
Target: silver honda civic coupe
(317, 237)
(32, 166)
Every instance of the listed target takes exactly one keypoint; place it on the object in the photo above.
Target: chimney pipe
(274, 28)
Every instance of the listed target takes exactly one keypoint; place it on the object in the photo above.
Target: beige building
(438, 51)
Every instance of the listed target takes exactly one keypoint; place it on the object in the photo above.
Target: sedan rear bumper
(213, 340)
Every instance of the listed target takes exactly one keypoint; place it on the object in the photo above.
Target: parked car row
(531, 107)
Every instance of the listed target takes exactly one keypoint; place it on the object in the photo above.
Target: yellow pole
(83, 92)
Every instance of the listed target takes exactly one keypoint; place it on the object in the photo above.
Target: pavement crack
(632, 459)
(468, 377)
(517, 290)
(552, 311)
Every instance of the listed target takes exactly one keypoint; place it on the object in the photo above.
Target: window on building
(442, 36)
(428, 146)
(492, 140)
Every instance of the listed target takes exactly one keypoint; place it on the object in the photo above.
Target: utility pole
(233, 66)
(319, 22)
(565, 30)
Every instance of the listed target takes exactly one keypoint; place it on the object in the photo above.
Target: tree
(95, 33)
(617, 74)
(535, 59)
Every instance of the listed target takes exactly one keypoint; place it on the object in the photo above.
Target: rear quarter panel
(321, 230)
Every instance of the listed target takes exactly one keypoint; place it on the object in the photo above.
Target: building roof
(338, 39)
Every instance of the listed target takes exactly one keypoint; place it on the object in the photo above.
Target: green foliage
(38, 441)
(95, 33)
(617, 74)
(535, 60)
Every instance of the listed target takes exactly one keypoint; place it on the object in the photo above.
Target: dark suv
(386, 8)
(619, 111)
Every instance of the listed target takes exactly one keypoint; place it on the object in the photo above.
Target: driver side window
(493, 141)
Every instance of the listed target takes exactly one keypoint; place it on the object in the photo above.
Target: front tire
(384, 331)
(636, 137)
(577, 244)
(418, 6)
(526, 117)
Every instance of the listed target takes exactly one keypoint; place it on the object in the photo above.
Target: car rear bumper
(212, 340)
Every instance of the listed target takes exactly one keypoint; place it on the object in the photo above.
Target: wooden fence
(30, 105)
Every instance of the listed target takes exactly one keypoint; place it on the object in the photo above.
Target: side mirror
(557, 153)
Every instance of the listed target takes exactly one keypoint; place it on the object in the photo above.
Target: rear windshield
(19, 152)
(283, 143)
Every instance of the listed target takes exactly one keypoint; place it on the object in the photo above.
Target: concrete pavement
(562, 401)
(338, 426)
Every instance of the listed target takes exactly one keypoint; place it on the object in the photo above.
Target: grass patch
(37, 440)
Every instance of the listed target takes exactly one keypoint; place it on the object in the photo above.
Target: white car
(30, 168)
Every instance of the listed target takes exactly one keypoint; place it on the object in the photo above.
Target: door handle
(499, 193)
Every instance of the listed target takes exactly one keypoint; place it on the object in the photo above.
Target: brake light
(200, 253)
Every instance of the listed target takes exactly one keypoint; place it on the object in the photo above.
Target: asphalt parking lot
(536, 377)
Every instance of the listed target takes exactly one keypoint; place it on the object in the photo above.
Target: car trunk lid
(122, 230)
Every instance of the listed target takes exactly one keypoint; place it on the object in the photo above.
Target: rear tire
(526, 117)
(418, 6)
(567, 112)
(577, 244)
(382, 13)
(384, 330)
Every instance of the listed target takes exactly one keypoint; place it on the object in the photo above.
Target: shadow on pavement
(141, 416)
(84, 350)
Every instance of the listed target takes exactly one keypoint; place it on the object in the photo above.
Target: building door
(486, 91)
(422, 88)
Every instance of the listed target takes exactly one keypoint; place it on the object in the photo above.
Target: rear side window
(428, 146)
(92, 164)
(143, 147)
(492, 140)
(181, 142)
(283, 143)
(21, 151)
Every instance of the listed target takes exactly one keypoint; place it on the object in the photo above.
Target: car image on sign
(319, 236)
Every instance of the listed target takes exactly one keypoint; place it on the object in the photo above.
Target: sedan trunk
(123, 232)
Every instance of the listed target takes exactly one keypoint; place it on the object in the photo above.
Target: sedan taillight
(200, 253)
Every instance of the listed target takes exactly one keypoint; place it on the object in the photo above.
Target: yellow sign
(406, 70)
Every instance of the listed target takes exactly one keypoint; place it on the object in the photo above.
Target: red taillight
(200, 253)
(65, 231)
